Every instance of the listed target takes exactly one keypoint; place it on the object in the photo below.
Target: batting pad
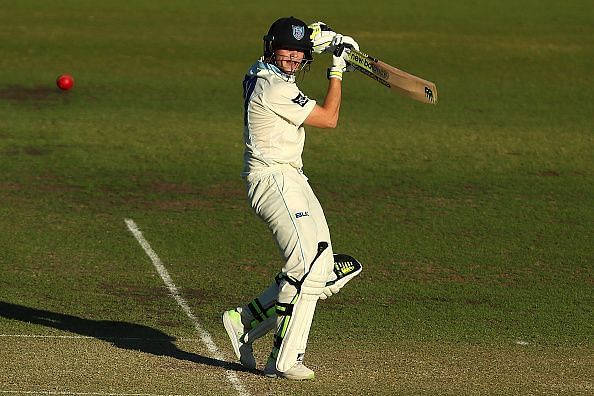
(294, 319)
(294, 331)
(263, 307)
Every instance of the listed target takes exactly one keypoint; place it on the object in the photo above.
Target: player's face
(288, 60)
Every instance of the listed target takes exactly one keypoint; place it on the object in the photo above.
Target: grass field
(473, 219)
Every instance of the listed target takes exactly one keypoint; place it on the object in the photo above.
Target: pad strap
(322, 246)
(284, 311)
(259, 313)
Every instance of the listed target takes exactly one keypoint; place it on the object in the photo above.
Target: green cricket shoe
(236, 330)
(298, 372)
(345, 268)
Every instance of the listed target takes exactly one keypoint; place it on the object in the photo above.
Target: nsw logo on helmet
(298, 32)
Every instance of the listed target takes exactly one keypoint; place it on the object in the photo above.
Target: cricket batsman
(275, 112)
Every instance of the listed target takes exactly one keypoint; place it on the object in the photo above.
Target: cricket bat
(412, 86)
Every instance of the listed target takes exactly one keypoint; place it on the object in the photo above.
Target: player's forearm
(326, 115)
(333, 100)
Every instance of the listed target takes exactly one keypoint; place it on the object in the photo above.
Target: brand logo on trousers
(301, 214)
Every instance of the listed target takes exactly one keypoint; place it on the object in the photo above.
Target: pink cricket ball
(65, 82)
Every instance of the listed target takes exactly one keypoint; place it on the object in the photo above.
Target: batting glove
(338, 64)
(347, 42)
(321, 37)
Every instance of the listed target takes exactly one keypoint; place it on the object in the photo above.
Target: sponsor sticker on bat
(365, 63)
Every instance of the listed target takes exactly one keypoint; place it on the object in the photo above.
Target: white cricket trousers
(283, 198)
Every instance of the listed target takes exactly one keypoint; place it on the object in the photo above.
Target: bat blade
(405, 83)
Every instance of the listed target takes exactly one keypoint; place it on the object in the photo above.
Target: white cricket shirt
(275, 110)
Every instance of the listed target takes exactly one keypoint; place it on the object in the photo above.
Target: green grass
(473, 218)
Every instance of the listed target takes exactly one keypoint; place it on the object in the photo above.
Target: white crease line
(99, 338)
(204, 335)
(19, 392)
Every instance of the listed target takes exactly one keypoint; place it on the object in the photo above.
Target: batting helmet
(289, 33)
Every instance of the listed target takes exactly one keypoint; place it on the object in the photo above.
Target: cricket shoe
(235, 330)
(345, 269)
(297, 372)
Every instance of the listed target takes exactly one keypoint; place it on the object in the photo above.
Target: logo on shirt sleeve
(301, 100)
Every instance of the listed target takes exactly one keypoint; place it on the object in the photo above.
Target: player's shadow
(120, 334)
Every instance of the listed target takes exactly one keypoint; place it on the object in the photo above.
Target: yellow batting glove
(322, 36)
